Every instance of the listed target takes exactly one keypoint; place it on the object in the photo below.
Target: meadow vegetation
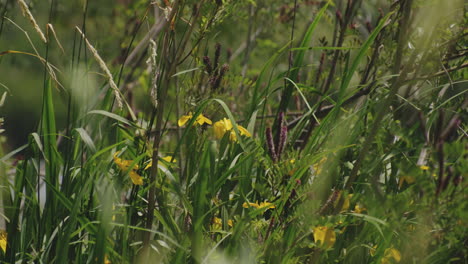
(233, 131)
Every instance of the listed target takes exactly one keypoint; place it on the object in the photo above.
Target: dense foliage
(233, 131)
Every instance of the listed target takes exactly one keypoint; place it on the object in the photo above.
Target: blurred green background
(110, 26)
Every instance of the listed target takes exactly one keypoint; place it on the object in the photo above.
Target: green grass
(344, 135)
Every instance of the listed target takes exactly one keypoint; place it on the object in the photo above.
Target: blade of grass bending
(373, 220)
(362, 52)
(199, 207)
(37, 139)
(235, 164)
(347, 77)
(64, 238)
(287, 93)
(13, 153)
(86, 138)
(113, 116)
(302, 95)
(189, 124)
(104, 150)
(258, 82)
(233, 121)
(51, 156)
(69, 205)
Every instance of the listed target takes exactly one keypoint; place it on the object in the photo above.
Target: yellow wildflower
(424, 167)
(183, 119)
(3, 240)
(358, 209)
(266, 205)
(201, 119)
(106, 260)
(373, 250)
(221, 127)
(224, 125)
(247, 205)
(259, 206)
(167, 158)
(136, 179)
(124, 165)
(243, 132)
(408, 179)
(217, 223)
(318, 166)
(325, 235)
(346, 201)
(389, 254)
(292, 161)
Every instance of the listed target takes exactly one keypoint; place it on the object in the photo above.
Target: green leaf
(112, 116)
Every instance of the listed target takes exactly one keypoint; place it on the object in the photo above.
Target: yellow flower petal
(244, 132)
(216, 223)
(259, 206)
(201, 119)
(318, 166)
(247, 205)
(230, 223)
(123, 164)
(149, 165)
(358, 209)
(346, 201)
(183, 119)
(373, 250)
(266, 205)
(424, 167)
(169, 159)
(224, 125)
(324, 236)
(219, 129)
(136, 179)
(217, 220)
(227, 124)
(232, 136)
(3, 240)
(391, 253)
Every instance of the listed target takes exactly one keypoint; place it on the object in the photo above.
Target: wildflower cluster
(124, 165)
(224, 126)
(201, 120)
(259, 206)
(324, 236)
(220, 128)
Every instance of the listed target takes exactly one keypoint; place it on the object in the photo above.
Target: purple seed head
(270, 145)
(217, 54)
(208, 66)
(282, 139)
